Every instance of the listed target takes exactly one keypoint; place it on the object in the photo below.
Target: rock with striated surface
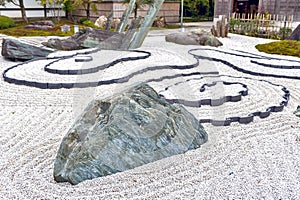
(297, 112)
(41, 25)
(198, 37)
(15, 50)
(295, 34)
(88, 38)
(125, 131)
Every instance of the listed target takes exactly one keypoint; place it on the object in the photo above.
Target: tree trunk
(88, 11)
(135, 10)
(23, 12)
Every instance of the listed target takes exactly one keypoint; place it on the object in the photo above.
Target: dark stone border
(97, 68)
(93, 84)
(239, 68)
(275, 66)
(212, 102)
(84, 59)
(217, 102)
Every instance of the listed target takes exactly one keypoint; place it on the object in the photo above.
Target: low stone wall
(169, 10)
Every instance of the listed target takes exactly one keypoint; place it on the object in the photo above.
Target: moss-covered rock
(284, 47)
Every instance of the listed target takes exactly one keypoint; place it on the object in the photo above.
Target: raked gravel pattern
(257, 160)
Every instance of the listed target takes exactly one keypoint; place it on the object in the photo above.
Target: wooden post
(218, 31)
(223, 26)
(109, 21)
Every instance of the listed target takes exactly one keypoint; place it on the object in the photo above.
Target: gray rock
(123, 132)
(88, 38)
(295, 34)
(15, 50)
(41, 25)
(199, 37)
(297, 112)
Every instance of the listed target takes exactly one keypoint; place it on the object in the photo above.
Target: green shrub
(6, 22)
(89, 23)
(284, 47)
(82, 20)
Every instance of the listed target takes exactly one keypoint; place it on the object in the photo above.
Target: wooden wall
(280, 7)
(169, 10)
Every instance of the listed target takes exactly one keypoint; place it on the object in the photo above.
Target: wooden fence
(262, 25)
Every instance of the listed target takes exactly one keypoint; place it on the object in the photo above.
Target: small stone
(101, 21)
(41, 25)
(297, 112)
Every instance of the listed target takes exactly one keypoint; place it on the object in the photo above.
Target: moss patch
(6, 22)
(20, 30)
(285, 47)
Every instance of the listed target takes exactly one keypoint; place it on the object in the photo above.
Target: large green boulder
(125, 131)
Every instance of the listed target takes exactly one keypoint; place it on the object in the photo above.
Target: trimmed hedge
(6, 22)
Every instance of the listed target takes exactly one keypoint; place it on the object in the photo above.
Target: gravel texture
(259, 160)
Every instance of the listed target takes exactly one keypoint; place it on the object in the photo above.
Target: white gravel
(259, 160)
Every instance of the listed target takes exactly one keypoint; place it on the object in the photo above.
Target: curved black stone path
(213, 102)
(240, 69)
(210, 102)
(274, 66)
(265, 57)
(97, 68)
(217, 102)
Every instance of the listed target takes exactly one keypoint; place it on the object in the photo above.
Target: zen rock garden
(173, 99)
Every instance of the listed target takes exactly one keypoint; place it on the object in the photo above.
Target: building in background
(170, 10)
(33, 9)
(277, 7)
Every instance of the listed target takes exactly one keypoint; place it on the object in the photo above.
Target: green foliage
(89, 23)
(6, 22)
(68, 5)
(284, 32)
(87, 5)
(284, 47)
(200, 7)
(83, 19)
(53, 4)
(256, 28)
